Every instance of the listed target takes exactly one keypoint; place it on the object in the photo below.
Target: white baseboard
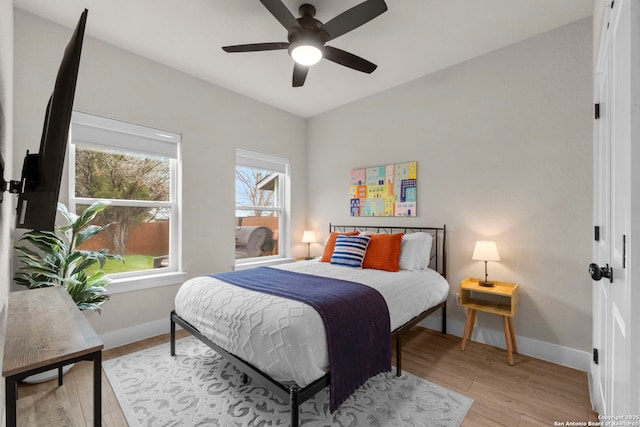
(135, 333)
(554, 353)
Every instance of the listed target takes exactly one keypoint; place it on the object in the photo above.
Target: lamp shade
(486, 250)
(309, 237)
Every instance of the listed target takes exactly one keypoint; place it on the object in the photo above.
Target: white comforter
(286, 338)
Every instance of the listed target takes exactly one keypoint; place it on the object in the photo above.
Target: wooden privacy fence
(150, 238)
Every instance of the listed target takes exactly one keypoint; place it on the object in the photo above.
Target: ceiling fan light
(306, 54)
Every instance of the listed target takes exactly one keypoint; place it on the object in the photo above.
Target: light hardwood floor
(531, 393)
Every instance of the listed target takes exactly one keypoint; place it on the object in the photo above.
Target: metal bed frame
(289, 391)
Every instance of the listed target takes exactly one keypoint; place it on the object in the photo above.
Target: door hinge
(596, 111)
(595, 356)
(612, 3)
(624, 251)
(596, 233)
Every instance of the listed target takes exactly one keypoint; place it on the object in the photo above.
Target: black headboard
(438, 259)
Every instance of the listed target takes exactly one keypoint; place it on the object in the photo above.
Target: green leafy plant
(53, 258)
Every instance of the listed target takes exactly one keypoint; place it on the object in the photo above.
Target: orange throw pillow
(331, 243)
(383, 252)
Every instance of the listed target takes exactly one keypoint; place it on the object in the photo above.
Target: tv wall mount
(12, 186)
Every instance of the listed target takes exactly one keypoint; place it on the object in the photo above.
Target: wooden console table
(45, 330)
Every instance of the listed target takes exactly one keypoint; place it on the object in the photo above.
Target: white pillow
(415, 252)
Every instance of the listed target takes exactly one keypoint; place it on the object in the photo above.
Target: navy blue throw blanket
(355, 316)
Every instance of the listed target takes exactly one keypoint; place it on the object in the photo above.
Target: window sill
(262, 263)
(148, 281)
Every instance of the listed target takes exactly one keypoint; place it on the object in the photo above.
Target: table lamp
(309, 237)
(485, 250)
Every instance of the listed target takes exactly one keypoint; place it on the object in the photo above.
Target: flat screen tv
(42, 172)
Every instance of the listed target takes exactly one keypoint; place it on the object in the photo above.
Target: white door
(601, 249)
(612, 293)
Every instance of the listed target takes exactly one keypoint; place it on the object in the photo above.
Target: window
(136, 169)
(261, 206)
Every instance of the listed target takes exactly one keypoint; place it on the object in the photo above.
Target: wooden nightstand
(502, 299)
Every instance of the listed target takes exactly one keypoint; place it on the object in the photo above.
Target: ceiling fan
(307, 36)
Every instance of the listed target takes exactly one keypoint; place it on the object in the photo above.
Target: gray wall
(213, 122)
(504, 151)
(503, 144)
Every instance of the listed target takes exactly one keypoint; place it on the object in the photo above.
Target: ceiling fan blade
(348, 60)
(256, 47)
(354, 17)
(299, 74)
(281, 13)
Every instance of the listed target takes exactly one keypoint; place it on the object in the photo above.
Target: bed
(279, 342)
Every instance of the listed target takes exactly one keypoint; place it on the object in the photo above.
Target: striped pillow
(331, 243)
(350, 250)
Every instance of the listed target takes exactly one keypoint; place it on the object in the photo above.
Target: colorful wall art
(388, 190)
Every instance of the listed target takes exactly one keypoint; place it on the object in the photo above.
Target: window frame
(93, 131)
(277, 164)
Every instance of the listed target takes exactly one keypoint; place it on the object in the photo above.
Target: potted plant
(55, 259)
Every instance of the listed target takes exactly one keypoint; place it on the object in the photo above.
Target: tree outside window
(137, 232)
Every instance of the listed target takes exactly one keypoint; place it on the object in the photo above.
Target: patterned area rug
(199, 388)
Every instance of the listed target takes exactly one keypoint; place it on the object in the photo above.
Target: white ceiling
(413, 38)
